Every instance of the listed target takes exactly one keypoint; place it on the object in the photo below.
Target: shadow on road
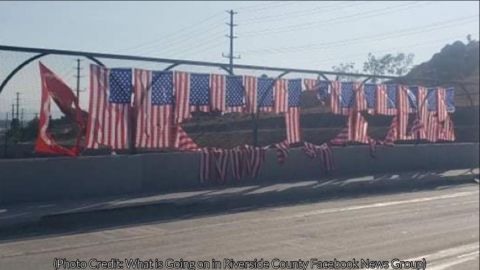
(155, 208)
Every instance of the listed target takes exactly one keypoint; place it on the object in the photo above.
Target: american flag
(199, 92)
(292, 117)
(235, 94)
(109, 108)
(347, 97)
(154, 108)
(294, 92)
(370, 95)
(281, 96)
(335, 97)
(181, 83)
(183, 142)
(323, 91)
(217, 92)
(386, 99)
(250, 84)
(360, 100)
(310, 84)
(265, 94)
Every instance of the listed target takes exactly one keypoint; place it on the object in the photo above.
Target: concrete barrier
(47, 179)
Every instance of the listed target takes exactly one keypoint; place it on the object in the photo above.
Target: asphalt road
(440, 225)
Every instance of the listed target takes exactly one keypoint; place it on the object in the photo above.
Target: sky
(308, 35)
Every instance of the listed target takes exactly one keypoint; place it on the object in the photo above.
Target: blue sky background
(314, 34)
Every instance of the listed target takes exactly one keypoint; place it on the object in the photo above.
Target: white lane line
(468, 254)
(449, 252)
(452, 263)
(453, 256)
(281, 217)
(382, 204)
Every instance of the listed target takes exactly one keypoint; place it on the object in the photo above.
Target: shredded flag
(342, 138)
(109, 108)
(386, 100)
(403, 110)
(282, 151)
(360, 100)
(244, 161)
(217, 92)
(53, 87)
(235, 94)
(154, 108)
(450, 99)
(392, 132)
(310, 84)
(238, 162)
(359, 126)
(183, 142)
(199, 92)
(370, 90)
(323, 151)
(323, 91)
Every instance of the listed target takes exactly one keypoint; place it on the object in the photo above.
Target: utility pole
(6, 122)
(78, 80)
(231, 37)
(21, 119)
(18, 105)
(13, 111)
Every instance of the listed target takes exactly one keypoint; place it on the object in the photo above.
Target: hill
(455, 62)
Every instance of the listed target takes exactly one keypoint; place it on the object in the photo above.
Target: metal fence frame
(94, 56)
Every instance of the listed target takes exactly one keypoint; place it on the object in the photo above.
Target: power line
(185, 46)
(416, 45)
(290, 15)
(303, 26)
(263, 6)
(186, 39)
(173, 34)
(398, 33)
